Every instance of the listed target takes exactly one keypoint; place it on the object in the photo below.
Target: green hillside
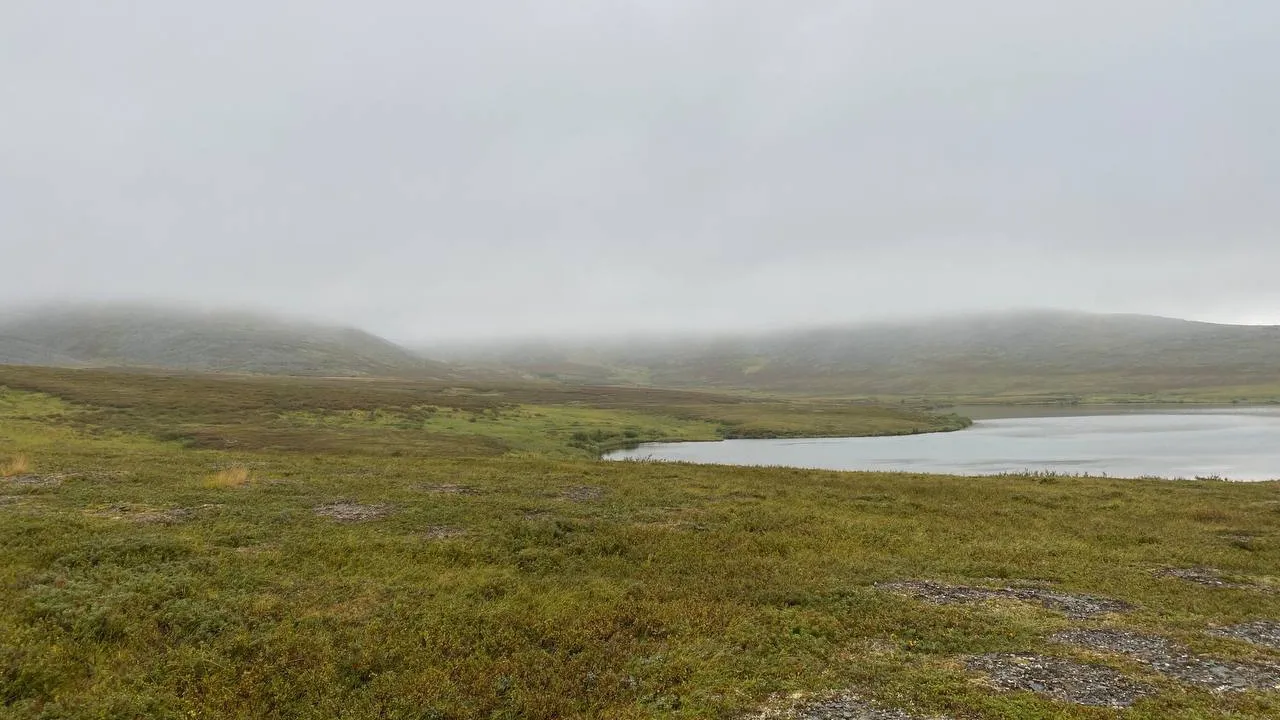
(1061, 355)
(223, 342)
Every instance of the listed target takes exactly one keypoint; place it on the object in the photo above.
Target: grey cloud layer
(446, 169)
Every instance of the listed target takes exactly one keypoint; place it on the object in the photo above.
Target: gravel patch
(1077, 607)
(583, 493)
(1259, 632)
(1059, 678)
(353, 512)
(843, 706)
(1168, 658)
(1207, 576)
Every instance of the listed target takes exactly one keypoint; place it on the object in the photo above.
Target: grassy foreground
(239, 548)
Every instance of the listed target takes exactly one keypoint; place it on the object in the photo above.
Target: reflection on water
(1232, 443)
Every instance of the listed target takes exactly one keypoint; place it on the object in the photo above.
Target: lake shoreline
(1211, 442)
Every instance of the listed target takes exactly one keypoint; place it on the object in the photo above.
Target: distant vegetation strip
(439, 418)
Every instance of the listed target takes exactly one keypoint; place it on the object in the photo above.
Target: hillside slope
(224, 342)
(1007, 354)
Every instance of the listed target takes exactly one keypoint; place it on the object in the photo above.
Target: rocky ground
(1058, 678)
(1168, 658)
(839, 706)
(1073, 606)
(1260, 632)
(1067, 680)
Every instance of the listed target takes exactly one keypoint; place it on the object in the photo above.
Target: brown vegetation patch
(1168, 658)
(1074, 606)
(583, 493)
(838, 706)
(449, 489)
(1059, 678)
(443, 532)
(97, 476)
(15, 466)
(1259, 632)
(232, 477)
(353, 512)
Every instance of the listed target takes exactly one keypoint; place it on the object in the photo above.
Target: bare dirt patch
(353, 512)
(840, 706)
(1259, 632)
(443, 532)
(1059, 678)
(583, 493)
(1168, 658)
(1074, 606)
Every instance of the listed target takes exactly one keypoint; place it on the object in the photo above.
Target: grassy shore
(216, 547)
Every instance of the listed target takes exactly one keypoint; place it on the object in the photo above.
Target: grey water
(1230, 443)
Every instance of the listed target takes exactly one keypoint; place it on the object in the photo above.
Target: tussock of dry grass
(16, 465)
(232, 477)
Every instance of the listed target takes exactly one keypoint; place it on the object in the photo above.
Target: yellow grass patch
(16, 465)
(232, 477)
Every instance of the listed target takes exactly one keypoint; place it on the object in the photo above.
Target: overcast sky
(450, 169)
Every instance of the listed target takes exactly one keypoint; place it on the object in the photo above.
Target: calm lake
(1232, 443)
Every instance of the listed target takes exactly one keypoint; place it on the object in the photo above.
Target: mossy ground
(566, 587)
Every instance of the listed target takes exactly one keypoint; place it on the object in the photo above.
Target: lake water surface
(1232, 443)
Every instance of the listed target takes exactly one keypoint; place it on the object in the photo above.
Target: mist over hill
(186, 340)
(1011, 353)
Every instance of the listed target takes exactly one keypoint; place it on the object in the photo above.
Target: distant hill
(223, 342)
(1043, 353)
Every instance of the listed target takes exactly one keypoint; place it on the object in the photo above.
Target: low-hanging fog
(433, 170)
